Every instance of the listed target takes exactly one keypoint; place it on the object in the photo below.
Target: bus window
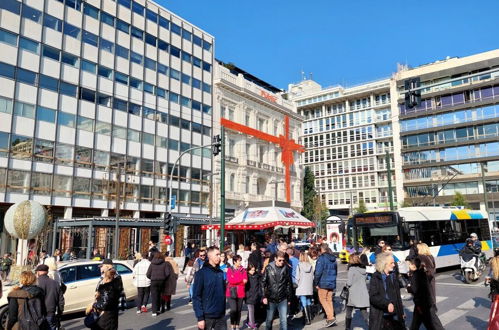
(430, 233)
(369, 236)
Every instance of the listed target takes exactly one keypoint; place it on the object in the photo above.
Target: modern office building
(450, 140)
(259, 124)
(97, 100)
(346, 133)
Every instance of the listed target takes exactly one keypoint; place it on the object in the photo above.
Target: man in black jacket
(54, 298)
(208, 297)
(277, 289)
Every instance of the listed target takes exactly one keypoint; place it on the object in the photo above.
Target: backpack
(33, 318)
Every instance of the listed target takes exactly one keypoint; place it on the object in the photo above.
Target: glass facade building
(449, 141)
(92, 88)
(346, 133)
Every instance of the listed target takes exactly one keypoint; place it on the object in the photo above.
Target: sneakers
(143, 309)
(330, 323)
(190, 302)
(154, 314)
(139, 311)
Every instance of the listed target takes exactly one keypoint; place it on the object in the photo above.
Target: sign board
(379, 219)
(168, 240)
(173, 202)
(334, 237)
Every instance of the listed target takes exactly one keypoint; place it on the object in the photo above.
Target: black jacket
(109, 296)
(17, 298)
(420, 287)
(379, 301)
(277, 283)
(255, 259)
(54, 298)
(158, 270)
(208, 298)
(254, 289)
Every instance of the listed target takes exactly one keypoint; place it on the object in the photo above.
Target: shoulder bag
(345, 292)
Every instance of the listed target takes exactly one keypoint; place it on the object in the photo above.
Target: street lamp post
(169, 206)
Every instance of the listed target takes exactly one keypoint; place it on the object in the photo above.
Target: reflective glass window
(123, 26)
(121, 51)
(90, 38)
(52, 53)
(69, 59)
(148, 88)
(66, 119)
(137, 8)
(107, 19)
(106, 45)
(45, 114)
(197, 41)
(150, 64)
(206, 45)
(5, 105)
(48, 83)
(135, 57)
(175, 51)
(11, 5)
(176, 29)
(89, 66)
(162, 69)
(26, 76)
(150, 39)
(32, 14)
(52, 22)
(105, 72)
(7, 70)
(24, 110)
(163, 45)
(125, 3)
(29, 45)
(71, 30)
(163, 22)
(68, 89)
(91, 11)
(152, 16)
(134, 109)
(137, 33)
(121, 78)
(186, 35)
(85, 123)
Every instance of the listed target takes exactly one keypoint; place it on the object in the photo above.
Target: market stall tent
(257, 218)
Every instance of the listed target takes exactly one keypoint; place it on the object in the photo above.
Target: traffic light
(216, 147)
(412, 92)
(169, 219)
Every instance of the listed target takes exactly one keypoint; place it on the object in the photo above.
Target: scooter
(469, 271)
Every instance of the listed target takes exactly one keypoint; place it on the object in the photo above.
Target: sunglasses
(280, 260)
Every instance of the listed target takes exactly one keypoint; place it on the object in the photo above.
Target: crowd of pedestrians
(277, 280)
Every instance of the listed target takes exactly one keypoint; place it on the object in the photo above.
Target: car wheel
(4, 313)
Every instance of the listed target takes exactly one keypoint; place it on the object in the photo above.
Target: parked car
(81, 278)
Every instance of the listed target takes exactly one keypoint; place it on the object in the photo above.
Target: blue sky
(340, 42)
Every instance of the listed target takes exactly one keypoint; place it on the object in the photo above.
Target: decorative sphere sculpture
(25, 220)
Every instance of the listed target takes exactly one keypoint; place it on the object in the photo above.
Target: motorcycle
(472, 269)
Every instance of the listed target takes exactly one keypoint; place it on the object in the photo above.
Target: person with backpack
(27, 305)
(54, 297)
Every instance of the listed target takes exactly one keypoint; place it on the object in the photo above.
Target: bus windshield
(369, 236)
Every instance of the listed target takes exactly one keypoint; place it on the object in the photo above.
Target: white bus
(444, 229)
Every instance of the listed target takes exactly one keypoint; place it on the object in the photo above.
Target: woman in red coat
(236, 282)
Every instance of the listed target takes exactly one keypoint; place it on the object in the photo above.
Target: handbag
(92, 318)
(345, 292)
(233, 292)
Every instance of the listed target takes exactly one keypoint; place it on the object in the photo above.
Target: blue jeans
(305, 301)
(282, 307)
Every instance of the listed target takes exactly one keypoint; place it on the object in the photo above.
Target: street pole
(389, 175)
(485, 198)
(117, 221)
(222, 191)
(169, 205)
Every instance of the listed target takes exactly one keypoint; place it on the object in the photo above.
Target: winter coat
(171, 282)
(17, 299)
(54, 298)
(158, 270)
(277, 283)
(379, 302)
(431, 270)
(325, 272)
(189, 275)
(140, 279)
(108, 300)
(293, 262)
(358, 296)
(254, 289)
(235, 278)
(305, 279)
(420, 287)
(255, 259)
(208, 297)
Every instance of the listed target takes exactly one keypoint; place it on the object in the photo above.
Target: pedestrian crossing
(465, 314)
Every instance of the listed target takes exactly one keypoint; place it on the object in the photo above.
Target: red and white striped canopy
(258, 218)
